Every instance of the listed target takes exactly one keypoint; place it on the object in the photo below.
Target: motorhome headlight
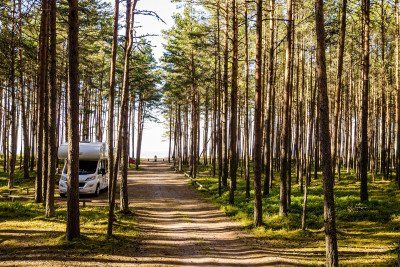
(90, 178)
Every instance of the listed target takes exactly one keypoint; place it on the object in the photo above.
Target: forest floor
(368, 233)
(173, 225)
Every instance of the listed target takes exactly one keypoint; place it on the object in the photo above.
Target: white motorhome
(92, 168)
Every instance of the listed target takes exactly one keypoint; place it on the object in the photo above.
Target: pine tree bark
(258, 135)
(123, 113)
(285, 138)
(234, 102)
(397, 59)
(206, 123)
(383, 155)
(53, 159)
(225, 166)
(40, 103)
(325, 139)
(170, 134)
(364, 100)
(246, 99)
(110, 133)
(339, 81)
(73, 229)
(139, 131)
(270, 86)
(13, 121)
(23, 91)
(219, 109)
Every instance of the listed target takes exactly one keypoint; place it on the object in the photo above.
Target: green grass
(368, 233)
(19, 181)
(24, 231)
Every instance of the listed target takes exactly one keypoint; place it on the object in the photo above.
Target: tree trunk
(40, 103)
(13, 116)
(139, 131)
(257, 121)
(246, 99)
(397, 36)
(285, 138)
(110, 133)
(23, 91)
(339, 81)
(53, 159)
(123, 115)
(225, 101)
(205, 137)
(234, 102)
(364, 102)
(325, 139)
(170, 134)
(73, 229)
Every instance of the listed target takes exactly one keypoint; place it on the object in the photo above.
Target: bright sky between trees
(153, 141)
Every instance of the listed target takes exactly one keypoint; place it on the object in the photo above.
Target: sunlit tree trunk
(73, 229)
(53, 159)
(110, 132)
(397, 59)
(225, 82)
(13, 120)
(325, 139)
(257, 121)
(339, 82)
(246, 101)
(121, 157)
(234, 102)
(42, 73)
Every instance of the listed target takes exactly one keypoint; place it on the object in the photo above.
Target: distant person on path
(155, 158)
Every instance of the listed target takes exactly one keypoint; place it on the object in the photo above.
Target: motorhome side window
(102, 165)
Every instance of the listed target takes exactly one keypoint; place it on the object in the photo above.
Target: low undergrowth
(368, 233)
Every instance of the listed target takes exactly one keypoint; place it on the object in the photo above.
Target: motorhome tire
(97, 192)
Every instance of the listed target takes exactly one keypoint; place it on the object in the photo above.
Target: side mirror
(103, 171)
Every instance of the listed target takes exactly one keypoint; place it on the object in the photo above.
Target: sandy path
(180, 229)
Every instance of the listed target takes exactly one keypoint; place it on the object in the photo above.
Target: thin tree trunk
(225, 101)
(121, 157)
(257, 121)
(139, 131)
(13, 116)
(23, 91)
(110, 133)
(234, 102)
(40, 104)
(271, 70)
(246, 99)
(339, 81)
(397, 36)
(328, 180)
(364, 102)
(53, 159)
(285, 138)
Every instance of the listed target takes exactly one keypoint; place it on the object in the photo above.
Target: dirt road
(180, 229)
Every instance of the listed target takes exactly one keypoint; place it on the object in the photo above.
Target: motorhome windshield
(86, 167)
